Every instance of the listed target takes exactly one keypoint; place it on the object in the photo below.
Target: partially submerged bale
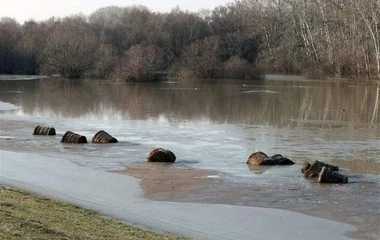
(49, 131)
(173, 157)
(71, 137)
(260, 158)
(103, 137)
(313, 170)
(278, 159)
(161, 155)
(327, 175)
(305, 167)
(257, 158)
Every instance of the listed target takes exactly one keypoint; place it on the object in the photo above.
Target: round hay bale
(161, 155)
(103, 137)
(314, 169)
(327, 175)
(258, 158)
(70, 137)
(305, 167)
(49, 131)
(171, 154)
(278, 159)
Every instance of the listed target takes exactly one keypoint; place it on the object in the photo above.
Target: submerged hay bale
(327, 175)
(305, 167)
(257, 158)
(71, 137)
(161, 155)
(103, 137)
(313, 170)
(278, 159)
(50, 131)
(260, 158)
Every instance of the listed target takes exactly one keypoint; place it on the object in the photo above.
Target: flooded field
(215, 126)
(210, 125)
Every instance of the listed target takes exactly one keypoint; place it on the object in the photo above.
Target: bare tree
(10, 36)
(140, 63)
(107, 24)
(370, 13)
(32, 46)
(320, 38)
(180, 29)
(107, 59)
(71, 49)
(201, 57)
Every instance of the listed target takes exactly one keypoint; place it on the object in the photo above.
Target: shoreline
(21, 77)
(166, 182)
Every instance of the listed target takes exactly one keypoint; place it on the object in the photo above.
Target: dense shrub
(237, 68)
(140, 63)
(201, 57)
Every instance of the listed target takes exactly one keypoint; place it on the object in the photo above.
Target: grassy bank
(26, 216)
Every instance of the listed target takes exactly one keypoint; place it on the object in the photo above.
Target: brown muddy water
(215, 126)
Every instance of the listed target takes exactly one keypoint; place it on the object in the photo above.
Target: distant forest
(316, 38)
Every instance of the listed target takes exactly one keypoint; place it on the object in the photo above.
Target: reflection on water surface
(268, 103)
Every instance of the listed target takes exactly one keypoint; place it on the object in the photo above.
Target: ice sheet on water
(4, 106)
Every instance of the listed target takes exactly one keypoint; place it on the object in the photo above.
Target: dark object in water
(161, 155)
(313, 170)
(260, 158)
(71, 137)
(44, 131)
(103, 137)
(327, 175)
(278, 159)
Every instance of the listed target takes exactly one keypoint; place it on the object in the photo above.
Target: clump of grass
(26, 216)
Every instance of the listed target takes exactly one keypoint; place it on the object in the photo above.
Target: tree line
(318, 38)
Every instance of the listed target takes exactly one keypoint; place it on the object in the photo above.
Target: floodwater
(212, 125)
(119, 196)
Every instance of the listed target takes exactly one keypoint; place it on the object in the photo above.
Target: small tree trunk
(376, 107)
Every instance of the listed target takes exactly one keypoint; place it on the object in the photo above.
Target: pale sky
(38, 10)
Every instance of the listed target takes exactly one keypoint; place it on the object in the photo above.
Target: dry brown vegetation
(71, 49)
(318, 38)
(140, 63)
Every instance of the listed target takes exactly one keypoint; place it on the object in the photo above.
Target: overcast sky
(23, 10)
